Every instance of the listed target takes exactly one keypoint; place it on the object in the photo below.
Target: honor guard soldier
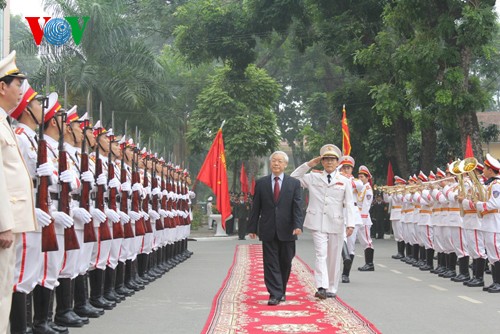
(365, 198)
(346, 168)
(396, 204)
(17, 207)
(29, 114)
(490, 210)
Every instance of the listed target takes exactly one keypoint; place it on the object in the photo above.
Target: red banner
(468, 149)
(390, 175)
(214, 174)
(244, 181)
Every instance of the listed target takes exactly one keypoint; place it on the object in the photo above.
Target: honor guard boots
(463, 265)
(429, 260)
(478, 280)
(65, 316)
(120, 287)
(41, 306)
(109, 286)
(17, 317)
(347, 269)
(368, 260)
(96, 278)
(401, 250)
(82, 306)
(495, 270)
(451, 266)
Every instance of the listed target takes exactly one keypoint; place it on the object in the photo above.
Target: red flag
(252, 188)
(346, 137)
(244, 180)
(390, 175)
(468, 149)
(213, 173)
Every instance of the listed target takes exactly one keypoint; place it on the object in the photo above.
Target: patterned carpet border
(240, 305)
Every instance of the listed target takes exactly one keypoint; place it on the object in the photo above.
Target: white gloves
(164, 193)
(137, 187)
(145, 215)
(81, 215)
(147, 190)
(163, 213)
(112, 216)
(46, 169)
(134, 215)
(154, 215)
(126, 187)
(43, 218)
(98, 215)
(114, 183)
(156, 191)
(67, 176)
(102, 179)
(62, 219)
(87, 177)
(124, 218)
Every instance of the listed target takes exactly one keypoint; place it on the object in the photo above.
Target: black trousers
(277, 257)
(230, 226)
(242, 228)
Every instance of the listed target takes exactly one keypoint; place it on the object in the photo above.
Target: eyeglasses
(329, 159)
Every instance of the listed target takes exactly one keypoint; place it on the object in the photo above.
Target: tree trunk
(428, 146)
(400, 153)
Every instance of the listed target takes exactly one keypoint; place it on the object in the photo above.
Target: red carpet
(240, 306)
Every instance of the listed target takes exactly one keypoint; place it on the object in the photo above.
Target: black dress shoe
(345, 279)
(475, 283)
(367, 267)
(283, 298)
(495, 288)
(321, 293)
(273, 301)
(331, 295)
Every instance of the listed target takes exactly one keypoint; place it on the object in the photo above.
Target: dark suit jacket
(279, 218)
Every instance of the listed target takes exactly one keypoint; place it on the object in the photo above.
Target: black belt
(35, 184)
(76, 197)
(54, 196)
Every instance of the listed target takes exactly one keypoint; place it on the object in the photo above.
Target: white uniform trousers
(100, 252)
(397, 229)
(28, 261)
(439, 239)
(458, 241)
(52, 263)
(446, 240)
(405, 232)
(412, 233)
(114, 253)
(351, 240)
(492, 244)
(475, 243)
(364, 238)
(69, 268)
(328, 264)
(125, 249)
(426, 236)
(7, 266)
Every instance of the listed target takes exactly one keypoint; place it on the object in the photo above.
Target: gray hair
(279, 152)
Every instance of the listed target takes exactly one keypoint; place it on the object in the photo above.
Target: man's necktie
(276, 188)
(329, 178)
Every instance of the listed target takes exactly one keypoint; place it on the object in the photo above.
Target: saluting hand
(313, 162)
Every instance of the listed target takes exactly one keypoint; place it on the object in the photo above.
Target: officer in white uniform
(329, 194)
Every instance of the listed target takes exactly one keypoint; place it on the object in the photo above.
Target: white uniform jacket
(325, 212)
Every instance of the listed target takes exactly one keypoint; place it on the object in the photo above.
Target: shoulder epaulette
(19, 130)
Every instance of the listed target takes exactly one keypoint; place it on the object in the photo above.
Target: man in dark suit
(277, 213)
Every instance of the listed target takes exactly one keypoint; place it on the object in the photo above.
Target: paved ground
(397, 298)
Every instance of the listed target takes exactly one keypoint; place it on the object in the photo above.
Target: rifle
(128, 232)
(70, 239)
(49, 238)
(139, 224)
(145, 202)
(170, 202)
(164, 198)
(154, 205)
(88, 229)
(104, 232)
(117, 227)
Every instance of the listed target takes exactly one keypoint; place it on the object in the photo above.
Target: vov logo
(57, 31)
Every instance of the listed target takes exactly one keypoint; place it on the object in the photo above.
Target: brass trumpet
(468, 165)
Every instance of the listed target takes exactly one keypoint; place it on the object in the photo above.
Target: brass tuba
(468, 165)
